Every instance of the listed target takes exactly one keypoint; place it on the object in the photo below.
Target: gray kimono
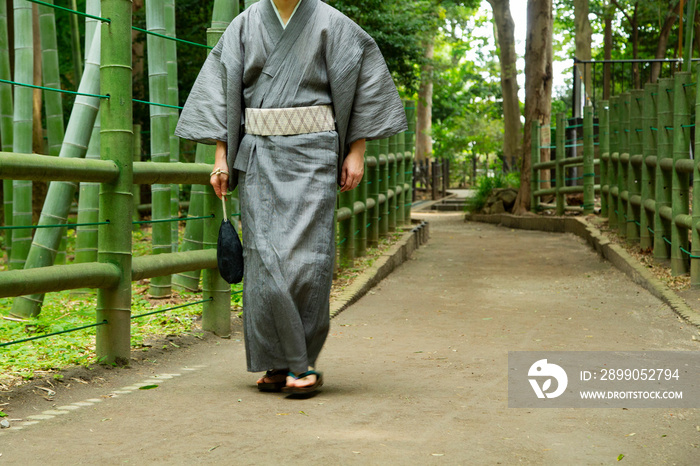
(287, 184)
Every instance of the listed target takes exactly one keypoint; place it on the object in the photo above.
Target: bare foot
(307, 381)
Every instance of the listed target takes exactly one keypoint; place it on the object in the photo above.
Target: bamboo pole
(114, 304)
(22, 130)
(679, 179)
(695, 234)
(588, 155)
(75, 41)
(88, 199)
(6, 112)
(373, 193)
(216, 313)
(60, 193)
(634, 171)
(383, 187)
(160, 137)
(613, 214)
(192, 240)
(136, 188)
(173, 99)
(604, 151)
(346, 229)
(410, 109)
(560, 156)
(391, 177)
(50, 72)
(648, 173)
(361, 220)
(401, 178)
(623, 164)
(662, 228)
(535, 159)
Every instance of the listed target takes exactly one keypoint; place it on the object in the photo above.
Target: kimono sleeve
(377, 110)
(204, 116)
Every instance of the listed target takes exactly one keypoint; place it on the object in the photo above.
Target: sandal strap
(305, 374)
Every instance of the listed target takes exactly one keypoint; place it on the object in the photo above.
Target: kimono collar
(290, 16)
(298, 20)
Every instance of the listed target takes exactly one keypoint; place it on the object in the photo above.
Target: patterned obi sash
(289, 121)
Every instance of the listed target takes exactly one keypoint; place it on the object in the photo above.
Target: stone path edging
(609, 251)
(382, 267)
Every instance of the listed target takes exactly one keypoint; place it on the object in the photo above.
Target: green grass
(486, 184)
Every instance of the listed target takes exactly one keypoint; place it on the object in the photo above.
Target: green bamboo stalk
(136, 189)
(75, 41)
(664, 183)
(360, 233)
(160, 139)
(680, 180)
(648, 173)
(248, 3)
(410, 108)
(695, 239)
(588, 166)
(561, 154)
(192, 240)
(613, 162)
(634, 172)
(53, 102)
(346, 230)
(22, 130)
(534, 160)
(623, 171)
(173, 99)
(216, 314)
(6, 121)
(373, 179)
(88, 200)
(114, 304)
(401, 178)
(604, 151)
(391, 179)
(60, 193)
(383, 187)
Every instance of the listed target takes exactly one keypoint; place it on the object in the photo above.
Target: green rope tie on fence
(651, 231)
(409, 132)
(51, 334)
(669, 90)
(616, 132)
(575, 126)
(368, 182)
(342, 241)
(407, 173)
(357, 233)
(596, 125)
(587, 205)
(573, 179)
(409, 204)
(573, 145)
(171, 38)
(15, 83)
(653, 129)
(688, 126)
(171, 308)
(589, 174)
(548, 147)
(639, 130)
(168, 220)
(237, 292)
(668, 128)
(666, 239)
(156, 104)
(639, 99)
(596, 143)
(50, 5)
(627, 130)
(688, 84)
(368, 225)
(654, 93)
(66, 225)
(690, 255)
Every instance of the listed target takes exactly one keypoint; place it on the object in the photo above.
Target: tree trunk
(538, 86)
(509, 82)
(424, 110)
(662, 43)
(583, 43)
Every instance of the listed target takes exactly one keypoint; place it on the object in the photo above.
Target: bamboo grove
(93, 162)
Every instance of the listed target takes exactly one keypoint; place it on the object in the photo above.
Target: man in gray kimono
(289, 95)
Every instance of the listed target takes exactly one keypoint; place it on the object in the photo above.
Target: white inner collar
(284, 26)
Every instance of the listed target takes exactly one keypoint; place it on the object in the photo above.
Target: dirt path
(416, 373)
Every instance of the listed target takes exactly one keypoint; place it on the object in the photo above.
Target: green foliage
(486, 184)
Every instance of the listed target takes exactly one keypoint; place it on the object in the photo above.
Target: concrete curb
(382, 267)
(609, 251)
